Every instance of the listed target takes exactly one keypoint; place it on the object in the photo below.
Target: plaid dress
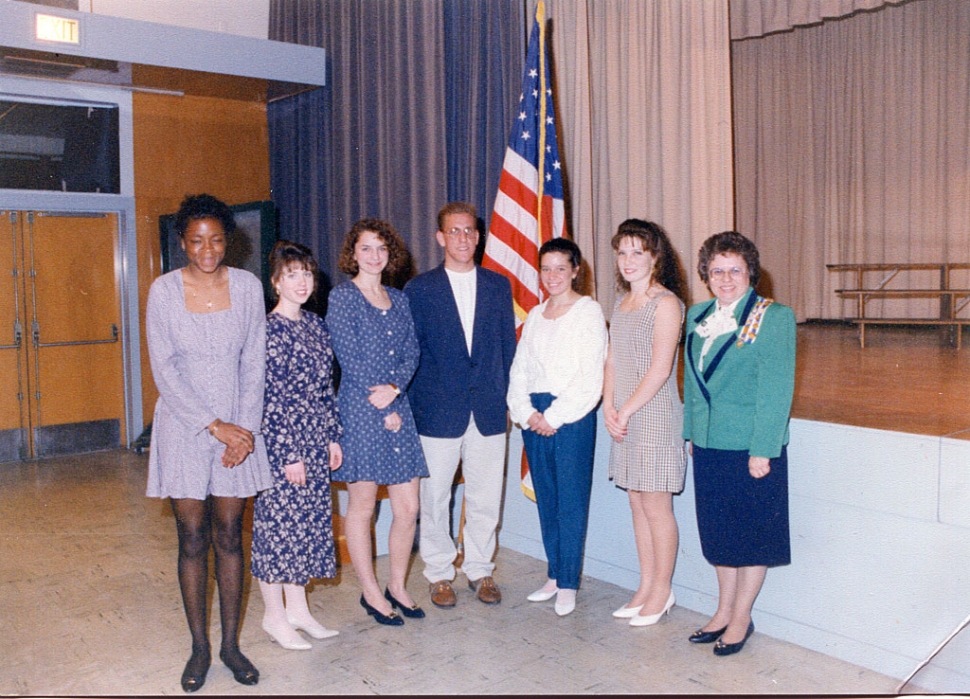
(651, 457)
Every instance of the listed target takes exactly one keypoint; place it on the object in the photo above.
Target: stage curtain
(644, 109)
(751, 18)
(484, 46)
(853, 145)
(415, 113)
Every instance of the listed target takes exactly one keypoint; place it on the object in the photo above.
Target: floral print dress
(292, 524)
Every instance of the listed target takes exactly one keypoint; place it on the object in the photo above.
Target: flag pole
(540, 18)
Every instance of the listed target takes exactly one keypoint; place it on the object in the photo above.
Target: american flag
(529, 207)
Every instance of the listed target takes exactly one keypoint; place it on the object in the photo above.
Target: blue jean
(562, 476)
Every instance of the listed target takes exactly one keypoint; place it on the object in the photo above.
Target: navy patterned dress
(373, 347)
(292, 524)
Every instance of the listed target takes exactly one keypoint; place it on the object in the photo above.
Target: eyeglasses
(717, 274)
(467, 232)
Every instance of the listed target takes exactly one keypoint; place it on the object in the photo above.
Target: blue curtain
(416, 112)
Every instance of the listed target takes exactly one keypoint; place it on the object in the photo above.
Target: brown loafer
(486, 589)
(443, 594)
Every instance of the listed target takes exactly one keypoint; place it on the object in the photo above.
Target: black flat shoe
(414, 612)
(732, 648)
(391, 619)
(193, 677)
(702, 636)
(243, 671)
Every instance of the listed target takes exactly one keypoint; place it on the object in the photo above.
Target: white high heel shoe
(626, 612)
(639, 620)
(287, 637)
(317, 630)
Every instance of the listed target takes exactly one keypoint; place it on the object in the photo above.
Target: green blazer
(742, 399)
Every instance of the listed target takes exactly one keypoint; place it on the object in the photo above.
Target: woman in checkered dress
(642, 408)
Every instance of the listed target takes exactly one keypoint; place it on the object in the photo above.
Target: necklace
(192, 286)
(208, 303)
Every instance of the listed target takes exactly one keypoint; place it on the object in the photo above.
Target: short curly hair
(198, 206)
(727, 243)
(397, 252)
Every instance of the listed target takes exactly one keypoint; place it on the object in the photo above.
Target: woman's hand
(382, 395)
(392, 422)
(295, 473)
(538, 424)
(238, 440)
(615, 424)
(759, 466)
(336, 456)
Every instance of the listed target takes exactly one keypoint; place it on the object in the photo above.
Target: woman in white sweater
(555, 384)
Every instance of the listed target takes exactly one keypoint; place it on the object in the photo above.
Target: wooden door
(70, 356)
(14, 424)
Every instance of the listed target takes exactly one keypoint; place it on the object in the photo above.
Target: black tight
(216, 521)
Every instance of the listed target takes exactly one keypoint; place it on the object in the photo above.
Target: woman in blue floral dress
(292, 525)
(373, 337)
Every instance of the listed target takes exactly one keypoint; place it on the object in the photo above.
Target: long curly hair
(397, 252)
(666, 268)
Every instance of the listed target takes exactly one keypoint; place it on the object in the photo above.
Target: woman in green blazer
(739, 378)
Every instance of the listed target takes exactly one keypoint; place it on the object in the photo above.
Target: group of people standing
(429, 377)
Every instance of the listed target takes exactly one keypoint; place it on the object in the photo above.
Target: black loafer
(702, 636)
(193, 677)
(732, 648)
(414, 612)
(391, 619)
(243, 671)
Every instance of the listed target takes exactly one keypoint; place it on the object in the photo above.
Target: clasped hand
(382, 395)
(616, 424)
(538, 424)
(238, 440)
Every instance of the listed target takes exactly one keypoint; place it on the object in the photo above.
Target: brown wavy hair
(727, 243)
(397, 252)
(288, 255)
(666, 267)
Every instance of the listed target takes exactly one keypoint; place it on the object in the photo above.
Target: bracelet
(395, 389)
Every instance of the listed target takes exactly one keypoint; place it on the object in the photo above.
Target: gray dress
(651, 458)
(206, 366)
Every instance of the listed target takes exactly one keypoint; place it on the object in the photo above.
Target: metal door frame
(122, 205)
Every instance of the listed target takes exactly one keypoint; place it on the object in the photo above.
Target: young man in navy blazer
(465, 325)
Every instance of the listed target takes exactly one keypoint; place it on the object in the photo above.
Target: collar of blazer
(705, 377)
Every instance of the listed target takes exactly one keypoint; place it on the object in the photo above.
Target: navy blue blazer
(450, 385)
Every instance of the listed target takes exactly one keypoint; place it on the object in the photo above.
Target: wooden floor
(905, 380)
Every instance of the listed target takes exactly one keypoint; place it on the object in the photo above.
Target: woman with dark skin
(206, 328)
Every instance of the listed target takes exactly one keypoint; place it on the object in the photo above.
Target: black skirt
(742, 520)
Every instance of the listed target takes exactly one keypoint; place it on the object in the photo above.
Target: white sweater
(564, 357)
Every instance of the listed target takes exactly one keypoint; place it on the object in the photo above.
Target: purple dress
(292, 524)
(206, 366)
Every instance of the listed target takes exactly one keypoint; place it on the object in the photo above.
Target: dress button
(391, 353)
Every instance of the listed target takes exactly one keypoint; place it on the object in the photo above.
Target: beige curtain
(644, 108)
(853, 145)
(751, 18)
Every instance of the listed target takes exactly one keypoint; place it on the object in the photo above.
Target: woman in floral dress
(292, 529)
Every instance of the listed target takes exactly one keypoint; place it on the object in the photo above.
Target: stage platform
(907, 379)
